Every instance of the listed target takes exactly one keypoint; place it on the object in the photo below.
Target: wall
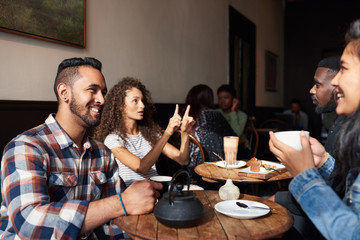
(313, 31)
(170, 45)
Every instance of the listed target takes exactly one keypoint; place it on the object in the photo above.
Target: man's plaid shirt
(47, 184)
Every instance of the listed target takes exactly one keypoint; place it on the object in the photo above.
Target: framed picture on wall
(271, 74)
(55, 21)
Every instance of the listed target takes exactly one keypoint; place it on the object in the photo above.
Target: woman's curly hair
(112, 119)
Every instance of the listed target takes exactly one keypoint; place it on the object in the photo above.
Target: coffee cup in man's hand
(164, 180)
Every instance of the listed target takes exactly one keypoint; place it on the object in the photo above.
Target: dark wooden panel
(263, 113)
(18, 116)
(164, 111)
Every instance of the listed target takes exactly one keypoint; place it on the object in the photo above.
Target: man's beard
(75, 108)
(330, 106)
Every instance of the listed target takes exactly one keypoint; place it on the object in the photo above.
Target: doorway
(242, 36)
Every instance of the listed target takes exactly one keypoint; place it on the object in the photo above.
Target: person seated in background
(127, 128)
(210, 127)
(323, 95)
(300, 120)
(57, 182)
(230, 109)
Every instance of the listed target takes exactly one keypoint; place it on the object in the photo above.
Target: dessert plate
(238, 164)
(274, 165)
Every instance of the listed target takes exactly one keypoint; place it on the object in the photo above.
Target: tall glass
(230, 148)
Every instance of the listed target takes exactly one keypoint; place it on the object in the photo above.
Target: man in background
(323, 96)
(300, 118)
(229, 107)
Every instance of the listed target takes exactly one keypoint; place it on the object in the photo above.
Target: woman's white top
(137, 145)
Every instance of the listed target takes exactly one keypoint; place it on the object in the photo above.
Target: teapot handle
(171, 186)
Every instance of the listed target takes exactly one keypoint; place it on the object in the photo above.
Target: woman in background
(210, 127)
(127, 128)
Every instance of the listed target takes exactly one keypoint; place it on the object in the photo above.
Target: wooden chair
(252, 136)
(275, 123)
(272, 124)
(196, 143)
(166, 166)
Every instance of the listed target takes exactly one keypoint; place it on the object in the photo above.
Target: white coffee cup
(164, 180)
(291, 138)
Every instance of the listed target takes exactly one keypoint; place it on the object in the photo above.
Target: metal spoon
(243, 205)
(270, 168)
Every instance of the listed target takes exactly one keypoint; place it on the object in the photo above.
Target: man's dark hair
(68, 70)
(227, 88)
(297, 101)
(332, 63)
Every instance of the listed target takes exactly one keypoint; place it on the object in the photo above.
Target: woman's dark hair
(347, 152)
(347, 148)
(199, 97)
(353, 36)
(112, 119)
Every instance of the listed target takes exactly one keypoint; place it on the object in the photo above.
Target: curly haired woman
(127, 128)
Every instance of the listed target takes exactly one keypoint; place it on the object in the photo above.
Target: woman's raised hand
(187, 121)
(174, 122)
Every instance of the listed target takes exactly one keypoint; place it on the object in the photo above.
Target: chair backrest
(276, 124)
(195, 142)
(252, 136)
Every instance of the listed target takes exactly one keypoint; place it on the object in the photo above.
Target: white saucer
(276, 166)
(229, 208)
(238, 164)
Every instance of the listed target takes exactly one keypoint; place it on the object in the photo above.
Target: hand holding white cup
(291, 138)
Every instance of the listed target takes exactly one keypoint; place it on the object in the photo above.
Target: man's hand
(235, 104)
(140, 197)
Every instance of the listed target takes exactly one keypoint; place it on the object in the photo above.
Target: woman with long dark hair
(127, 128)
(331, 199)
(211, 126)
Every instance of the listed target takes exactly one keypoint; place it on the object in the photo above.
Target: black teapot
(179, 208)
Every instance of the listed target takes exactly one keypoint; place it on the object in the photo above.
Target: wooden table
(214, 225)
(213, 172)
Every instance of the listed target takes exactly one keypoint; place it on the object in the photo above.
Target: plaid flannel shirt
(47, 184)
